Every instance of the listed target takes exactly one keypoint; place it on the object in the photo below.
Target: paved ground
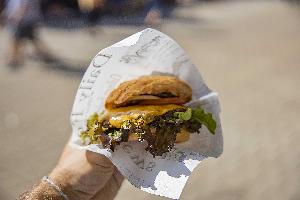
(247, 51)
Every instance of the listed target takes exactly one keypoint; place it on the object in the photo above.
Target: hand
(86, 175)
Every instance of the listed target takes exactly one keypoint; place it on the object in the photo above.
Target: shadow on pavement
(64, 66)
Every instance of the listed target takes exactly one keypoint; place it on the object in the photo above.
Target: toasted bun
(149, 90)
(182, 136)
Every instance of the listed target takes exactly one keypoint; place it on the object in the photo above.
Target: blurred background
(247, 51)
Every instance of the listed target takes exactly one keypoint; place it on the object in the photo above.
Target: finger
(118, 176)
(109, 191)
(98, 159)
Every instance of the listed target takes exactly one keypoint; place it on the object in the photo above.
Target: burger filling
(158, 125)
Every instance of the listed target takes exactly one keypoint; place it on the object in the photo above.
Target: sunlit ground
(246, 51)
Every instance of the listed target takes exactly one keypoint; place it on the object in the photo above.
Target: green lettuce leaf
(91, 128)
(115, 134)
(92, 120)
(185, 116)
(199, 115)
(205, 118)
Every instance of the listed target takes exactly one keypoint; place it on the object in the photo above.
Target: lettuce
(185, 116)
(199, 115)
(115, 134)
(92, 121)
(205, 118)
(92, 126)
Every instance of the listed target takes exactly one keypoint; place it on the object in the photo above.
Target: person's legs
(156, 10)
(40, 47)
(42, 51)
(16, 54)
(92, 18)
(153, 13)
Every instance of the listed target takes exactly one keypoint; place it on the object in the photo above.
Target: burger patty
(160, 134)
(166, 128)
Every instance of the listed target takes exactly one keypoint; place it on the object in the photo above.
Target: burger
(151, 109)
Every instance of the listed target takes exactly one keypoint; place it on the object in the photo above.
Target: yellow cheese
(117, 121)
(119, 115)
(182, 136)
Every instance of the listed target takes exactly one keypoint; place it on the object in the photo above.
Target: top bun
(149, 90)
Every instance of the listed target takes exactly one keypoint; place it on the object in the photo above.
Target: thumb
(98, 159)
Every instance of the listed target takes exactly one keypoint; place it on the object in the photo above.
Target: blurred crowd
(92, 10)
(23, 17)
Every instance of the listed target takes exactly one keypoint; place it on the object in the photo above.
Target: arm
(41, 191)
(79, 175)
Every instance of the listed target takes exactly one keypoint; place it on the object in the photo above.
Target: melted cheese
(182, 136)
(119, 115)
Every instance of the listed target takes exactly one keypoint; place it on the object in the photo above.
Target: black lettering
(150, 166)
(140, 52)
(95, 73)
(180, 156)
(127, 148)
(100, 60)
(90, 80)
(85, 87)
(83, 95)
(138, 162)
(77, 113)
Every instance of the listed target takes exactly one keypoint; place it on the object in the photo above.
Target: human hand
(86, 175)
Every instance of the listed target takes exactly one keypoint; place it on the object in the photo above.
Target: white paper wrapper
(145, 53)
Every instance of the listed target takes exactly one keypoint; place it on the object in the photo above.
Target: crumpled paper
(145, 53)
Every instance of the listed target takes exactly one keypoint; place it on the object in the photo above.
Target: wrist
(42, 190)
(45, 191)
(61, 179)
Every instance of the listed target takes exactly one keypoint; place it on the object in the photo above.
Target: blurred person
(2, 6)
(158, 9)
(56, 9)
(117, 6)
(22, 18)
(93, 11)
(79, 174)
